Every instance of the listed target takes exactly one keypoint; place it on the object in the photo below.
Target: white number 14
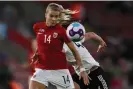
(47, 39)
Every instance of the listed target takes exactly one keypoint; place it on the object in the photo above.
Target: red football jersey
(71, 69)
(50, 42)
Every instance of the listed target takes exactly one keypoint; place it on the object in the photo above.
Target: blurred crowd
(111, 20)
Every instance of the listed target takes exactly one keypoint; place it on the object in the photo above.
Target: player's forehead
(53, 12)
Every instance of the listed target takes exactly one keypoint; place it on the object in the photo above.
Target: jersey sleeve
(65, 37)
(35, 28)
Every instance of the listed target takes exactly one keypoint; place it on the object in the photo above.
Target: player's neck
(47, 24)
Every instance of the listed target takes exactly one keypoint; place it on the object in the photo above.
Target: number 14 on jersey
(47, 39)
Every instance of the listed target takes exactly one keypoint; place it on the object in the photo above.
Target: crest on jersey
(55, 35)
(41, 30)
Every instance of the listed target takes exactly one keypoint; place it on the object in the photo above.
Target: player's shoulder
(38, 24)
(60, 27)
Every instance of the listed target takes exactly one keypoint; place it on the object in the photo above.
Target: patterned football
(75, 31)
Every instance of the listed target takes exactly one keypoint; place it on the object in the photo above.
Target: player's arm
(71, 46)
(79, 63)
(34, 57)
(92, 35)
(75, 53)
(35, 50)
(34, 45)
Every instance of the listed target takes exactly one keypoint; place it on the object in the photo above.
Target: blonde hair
(65, 15)
(54, 6)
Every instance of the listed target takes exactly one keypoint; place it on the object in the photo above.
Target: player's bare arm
(83, 73)
(34, 57)
(92, 35)
(75, 53)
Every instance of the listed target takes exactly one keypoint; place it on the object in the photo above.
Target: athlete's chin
(53, 24)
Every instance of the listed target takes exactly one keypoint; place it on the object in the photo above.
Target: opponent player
(95, 72)
(92, 67)
(51, 64)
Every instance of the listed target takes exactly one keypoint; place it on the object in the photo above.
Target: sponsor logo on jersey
(55, 35)
(41, 30)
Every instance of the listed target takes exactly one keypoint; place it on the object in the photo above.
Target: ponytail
(66, 16)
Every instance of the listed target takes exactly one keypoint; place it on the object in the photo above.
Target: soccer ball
(75, 31)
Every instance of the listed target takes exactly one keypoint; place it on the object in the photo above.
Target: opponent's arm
(92, 35)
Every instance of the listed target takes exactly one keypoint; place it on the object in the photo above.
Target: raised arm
(92, 35)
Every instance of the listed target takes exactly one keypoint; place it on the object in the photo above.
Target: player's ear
(45, 15)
